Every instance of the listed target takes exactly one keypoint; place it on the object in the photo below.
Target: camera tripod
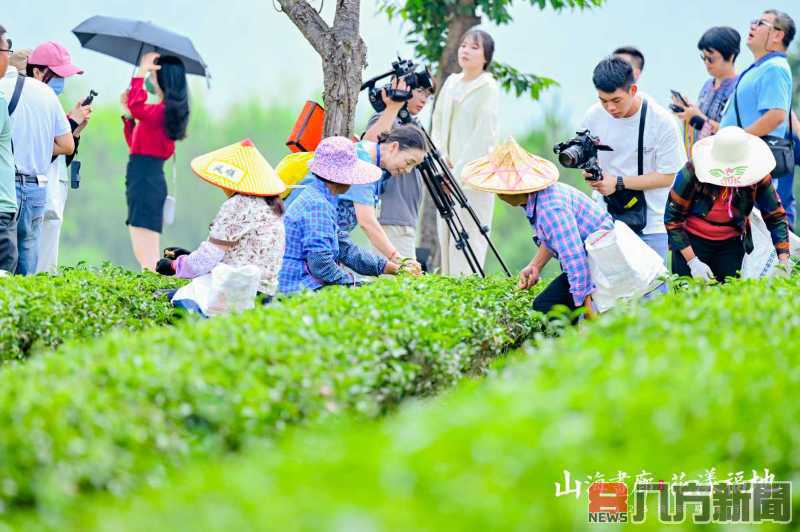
(447, 196)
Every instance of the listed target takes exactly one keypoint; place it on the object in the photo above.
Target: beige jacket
(465, 119)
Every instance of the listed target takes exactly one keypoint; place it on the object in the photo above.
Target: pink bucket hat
(335, 159)
(55, 57)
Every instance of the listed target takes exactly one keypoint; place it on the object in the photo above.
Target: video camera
(581, 152)
(404, 69)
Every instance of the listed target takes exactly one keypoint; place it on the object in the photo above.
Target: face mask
(57, 84)
(148, 85)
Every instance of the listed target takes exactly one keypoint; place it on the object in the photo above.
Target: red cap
(55, 57)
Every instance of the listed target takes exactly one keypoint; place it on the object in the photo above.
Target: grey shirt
(401, 195)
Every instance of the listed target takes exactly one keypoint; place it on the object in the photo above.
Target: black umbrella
(128, 39)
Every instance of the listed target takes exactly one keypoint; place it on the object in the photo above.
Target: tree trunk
(343, 54)
(463, 18)
(342, 70)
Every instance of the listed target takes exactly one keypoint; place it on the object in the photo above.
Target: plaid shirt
(563, 218)
(315, 245)
(690, 197)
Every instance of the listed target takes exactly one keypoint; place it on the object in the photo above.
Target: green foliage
(43, 311)
(124, 410)
(429, 24)
(680, 385)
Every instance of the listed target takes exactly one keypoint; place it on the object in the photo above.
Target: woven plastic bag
(622, 266)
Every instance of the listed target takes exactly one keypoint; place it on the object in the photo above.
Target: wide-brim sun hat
(239, 168)
(509, 169)
(732, 158)
(336, 160)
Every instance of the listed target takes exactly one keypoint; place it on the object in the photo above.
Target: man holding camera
(402, 194)
(646, 152)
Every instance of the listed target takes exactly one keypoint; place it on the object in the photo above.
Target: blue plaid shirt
(315, 245)
(563, 218)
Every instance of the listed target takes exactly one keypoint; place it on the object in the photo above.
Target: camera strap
(640, 148)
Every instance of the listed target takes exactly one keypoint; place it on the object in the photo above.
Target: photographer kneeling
(646, 152)
(401, 195)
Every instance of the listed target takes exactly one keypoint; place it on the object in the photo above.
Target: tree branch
(309, 22)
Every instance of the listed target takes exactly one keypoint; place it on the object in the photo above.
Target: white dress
(465, 129)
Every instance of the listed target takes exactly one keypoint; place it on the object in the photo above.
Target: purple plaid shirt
(563, 218)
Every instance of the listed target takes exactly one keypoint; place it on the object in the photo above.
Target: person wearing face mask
(39, 131)
(53, 60)
(151, 131)
(464, 129)
(397, 152)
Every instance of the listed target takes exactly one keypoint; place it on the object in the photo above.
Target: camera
(581, 152)
(405, 69)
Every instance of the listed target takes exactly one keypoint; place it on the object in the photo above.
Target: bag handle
(640, 148)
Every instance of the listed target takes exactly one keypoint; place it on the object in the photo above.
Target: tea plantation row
(692, 381)
(122, 411)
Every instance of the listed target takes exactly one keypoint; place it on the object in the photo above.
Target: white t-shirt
(663, 152)
(36, 122)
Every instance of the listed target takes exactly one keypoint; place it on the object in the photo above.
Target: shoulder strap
(640, 148)
(12, 105)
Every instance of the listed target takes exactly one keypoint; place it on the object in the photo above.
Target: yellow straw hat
(239, 168)
(509, 169)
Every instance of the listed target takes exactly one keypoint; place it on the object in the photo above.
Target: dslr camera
(405, 69)
(581, 152)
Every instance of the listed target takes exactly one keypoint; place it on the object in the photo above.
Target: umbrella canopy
(128, 40)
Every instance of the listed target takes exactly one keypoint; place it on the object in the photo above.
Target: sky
(254, 51)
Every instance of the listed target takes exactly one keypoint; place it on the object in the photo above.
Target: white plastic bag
(622, 266)
(56, 191)
(762, 260)
(226, 289)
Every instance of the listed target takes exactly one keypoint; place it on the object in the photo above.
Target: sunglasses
(10, 47)
(761, 22)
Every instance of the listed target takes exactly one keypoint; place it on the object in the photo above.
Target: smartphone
(676, 109)
(680, 97)
(75, 174)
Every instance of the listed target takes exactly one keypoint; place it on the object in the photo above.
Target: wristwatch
(620, 183)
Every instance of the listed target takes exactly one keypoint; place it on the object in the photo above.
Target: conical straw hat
(509, 169)
(239, 168)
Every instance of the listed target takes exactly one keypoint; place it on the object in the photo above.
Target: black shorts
(145, 190)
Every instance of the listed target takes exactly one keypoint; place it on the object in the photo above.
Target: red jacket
(145, 132)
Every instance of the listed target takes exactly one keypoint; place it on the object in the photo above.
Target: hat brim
(361, 173)
(66, 71)
(239, 168)
(750, 170)
(506, 180)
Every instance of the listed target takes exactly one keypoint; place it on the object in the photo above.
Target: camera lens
(570, 157)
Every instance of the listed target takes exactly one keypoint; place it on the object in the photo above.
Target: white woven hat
(732, 158)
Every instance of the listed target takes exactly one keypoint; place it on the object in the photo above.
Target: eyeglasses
(10, 49)
(707, 59)
(761, 22)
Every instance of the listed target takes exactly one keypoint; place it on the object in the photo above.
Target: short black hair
(2, 32)
(613, 73)
(784, 23)
(633, 52)
(723, 39)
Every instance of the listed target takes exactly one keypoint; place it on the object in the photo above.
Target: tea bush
(686, 383)
(124, 409)
(43, 311)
